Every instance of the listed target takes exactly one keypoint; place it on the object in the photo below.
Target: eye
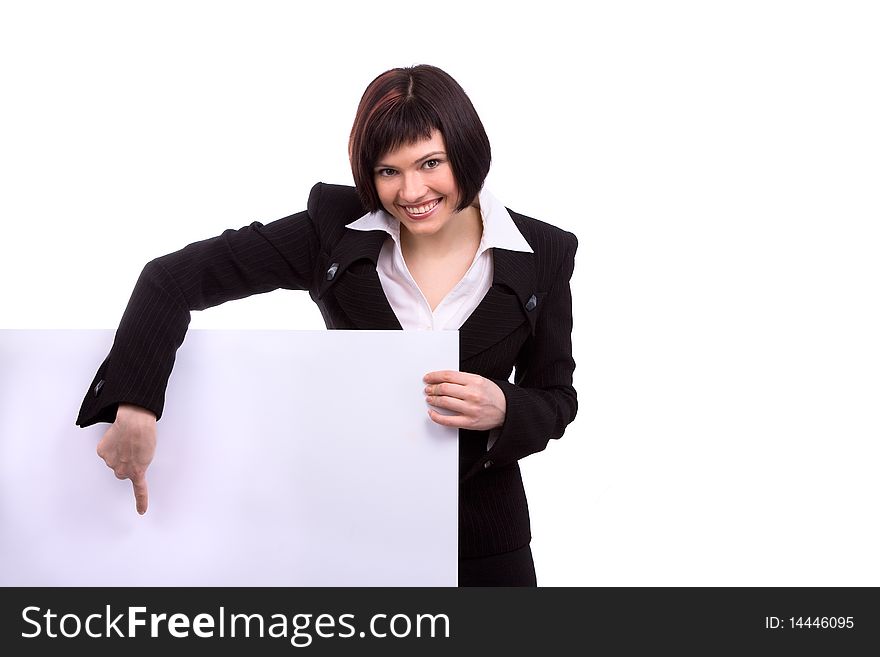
(432, 164)
(385, 173)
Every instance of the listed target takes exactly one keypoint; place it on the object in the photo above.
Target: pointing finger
(140, 493)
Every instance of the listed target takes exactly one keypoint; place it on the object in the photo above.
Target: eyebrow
(421, 159)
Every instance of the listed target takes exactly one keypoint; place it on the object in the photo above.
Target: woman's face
(416, 186)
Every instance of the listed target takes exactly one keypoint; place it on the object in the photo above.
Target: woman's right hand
(128, 447)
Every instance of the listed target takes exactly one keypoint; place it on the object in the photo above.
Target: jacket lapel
(351, 272)
(503, 309)
(357, 288)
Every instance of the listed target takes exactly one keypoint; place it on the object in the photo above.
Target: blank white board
(285, 458)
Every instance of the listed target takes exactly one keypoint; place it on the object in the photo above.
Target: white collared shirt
(409, 304)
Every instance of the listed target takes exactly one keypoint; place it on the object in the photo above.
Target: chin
(427, 227)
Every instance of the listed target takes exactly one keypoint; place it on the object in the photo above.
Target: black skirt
(514, 568)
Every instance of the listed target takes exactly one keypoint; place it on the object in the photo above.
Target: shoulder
(553, 246)
(327, 202)
(331, 207)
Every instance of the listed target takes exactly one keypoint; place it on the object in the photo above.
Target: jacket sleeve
(542, 401)
(234, 265)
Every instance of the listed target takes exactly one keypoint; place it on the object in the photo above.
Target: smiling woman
(418, 244)
(438, 242)
(414, 192)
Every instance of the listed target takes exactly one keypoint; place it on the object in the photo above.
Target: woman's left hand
(478, 403)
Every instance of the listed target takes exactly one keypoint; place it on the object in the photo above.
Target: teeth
(422, 209)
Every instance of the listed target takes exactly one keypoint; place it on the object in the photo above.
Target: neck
(464, 232)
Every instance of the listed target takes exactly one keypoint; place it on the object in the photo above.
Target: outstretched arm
(234, 265)
(129, 387)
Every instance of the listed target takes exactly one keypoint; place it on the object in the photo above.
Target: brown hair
(405, 105)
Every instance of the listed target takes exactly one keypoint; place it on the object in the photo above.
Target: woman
(417, 244)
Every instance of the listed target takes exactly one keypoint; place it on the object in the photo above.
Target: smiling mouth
(417, 211)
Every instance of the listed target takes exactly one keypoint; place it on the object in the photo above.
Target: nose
(413, 188)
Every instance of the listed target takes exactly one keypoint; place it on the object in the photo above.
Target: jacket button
(98, 386)
(531, 303)
(487, 464)
(332, 271)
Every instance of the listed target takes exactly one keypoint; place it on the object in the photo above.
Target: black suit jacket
(524, 322)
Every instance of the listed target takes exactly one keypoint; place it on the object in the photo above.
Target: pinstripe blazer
(524, 322)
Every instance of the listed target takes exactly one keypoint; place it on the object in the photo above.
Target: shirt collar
(499, 230)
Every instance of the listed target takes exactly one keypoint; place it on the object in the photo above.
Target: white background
(717, 160)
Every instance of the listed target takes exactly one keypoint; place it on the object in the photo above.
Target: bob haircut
(405, 105)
